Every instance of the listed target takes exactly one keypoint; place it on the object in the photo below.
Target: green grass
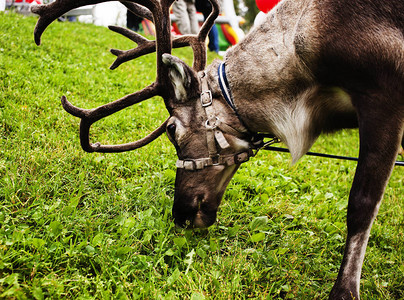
(85, 226)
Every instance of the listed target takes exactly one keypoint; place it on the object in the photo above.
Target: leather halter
(214, 135)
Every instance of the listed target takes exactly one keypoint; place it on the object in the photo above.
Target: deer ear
(183, 78)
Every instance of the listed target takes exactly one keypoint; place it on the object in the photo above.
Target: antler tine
(197, 42)
(138, 10)
(198, 45)
(210, 21)
(145, 46)
(97, 147)
(108, 109)
(90, 116)
(50, 12)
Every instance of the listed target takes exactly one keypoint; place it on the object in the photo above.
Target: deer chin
(198, 195)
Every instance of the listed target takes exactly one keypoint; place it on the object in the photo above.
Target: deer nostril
(199, 199)
(184, 212)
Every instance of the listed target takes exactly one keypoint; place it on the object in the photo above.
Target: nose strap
(226, 160)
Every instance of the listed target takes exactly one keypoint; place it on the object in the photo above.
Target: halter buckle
(215, 160)
(209, 98)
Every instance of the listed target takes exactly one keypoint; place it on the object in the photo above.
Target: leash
(267, 146)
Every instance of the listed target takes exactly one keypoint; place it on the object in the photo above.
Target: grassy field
(99, 226)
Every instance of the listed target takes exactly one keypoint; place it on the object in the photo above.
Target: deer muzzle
(195, 211)
(198, 195)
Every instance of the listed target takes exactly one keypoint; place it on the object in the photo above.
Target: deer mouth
(198, 195)
(200, 212)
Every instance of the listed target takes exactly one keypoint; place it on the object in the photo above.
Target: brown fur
(314, 67)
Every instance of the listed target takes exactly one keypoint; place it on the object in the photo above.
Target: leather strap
(227, 160)
(214, 134)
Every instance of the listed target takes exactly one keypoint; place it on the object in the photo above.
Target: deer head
(211, 143)
(210, 140)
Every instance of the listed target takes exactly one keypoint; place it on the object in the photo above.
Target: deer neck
(270, 82)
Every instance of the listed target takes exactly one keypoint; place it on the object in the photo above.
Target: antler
(197, 42)
(138, 10)
(156, 10)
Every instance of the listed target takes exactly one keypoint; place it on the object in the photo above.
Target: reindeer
(311, 67)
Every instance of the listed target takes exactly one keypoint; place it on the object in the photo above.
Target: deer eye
(171, 131)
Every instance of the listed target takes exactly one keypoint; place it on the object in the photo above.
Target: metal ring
(207, 125)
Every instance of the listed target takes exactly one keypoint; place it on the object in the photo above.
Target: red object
(175, 29)
(227, 34)
(266, 5)
(28, 1)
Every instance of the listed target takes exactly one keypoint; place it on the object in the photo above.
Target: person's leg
(180, 11)
(213, 35)
(193, 18)
(213, 39)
